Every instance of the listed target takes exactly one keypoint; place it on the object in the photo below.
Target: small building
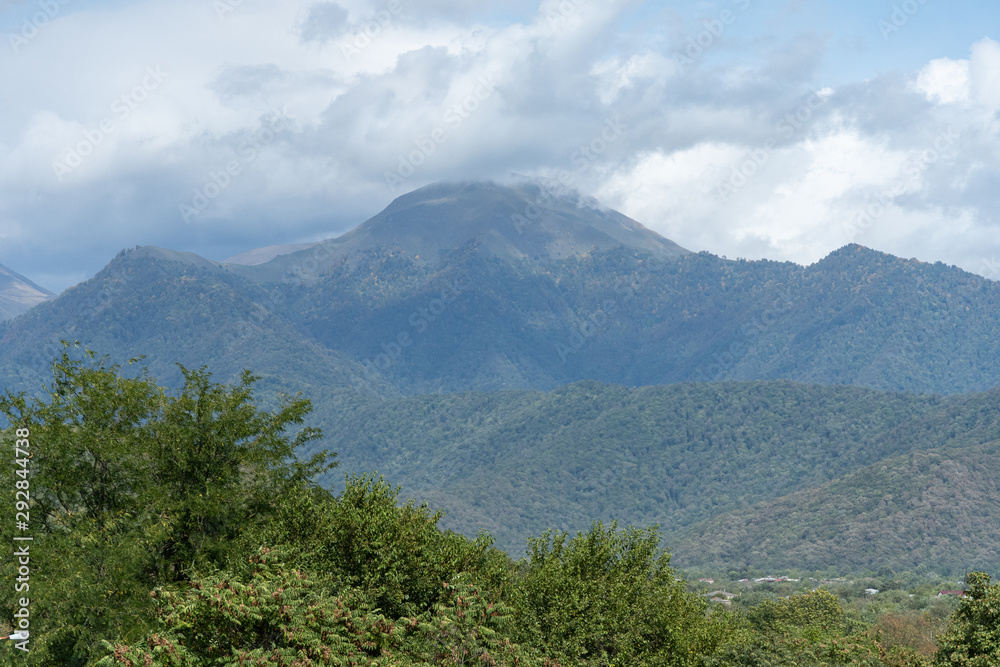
(960, 594)
(722, 594)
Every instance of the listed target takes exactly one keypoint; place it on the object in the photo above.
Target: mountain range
(527, 358)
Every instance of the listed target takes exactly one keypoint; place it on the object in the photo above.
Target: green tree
(366, 538)
(610, 597)
(133, 486)
(286, 617)
(281, 616)
(973, 637)
(818, 609)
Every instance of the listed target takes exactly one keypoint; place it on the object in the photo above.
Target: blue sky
(216, 126)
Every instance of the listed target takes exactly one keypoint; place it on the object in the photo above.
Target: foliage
(610, 597)
(907, 630)
(810, 629)
(198, 495)
(973, 638)
(467, 629)
(134, 487)
(287, 617)
(280, 617)
(934, 508)
(366, 539)
(819, 609)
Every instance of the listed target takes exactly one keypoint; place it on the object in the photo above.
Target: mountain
(569, 365)
(175, 308)
(524, 221)
(857, 317)
(265, 254)
(443, 292)
(18, 294)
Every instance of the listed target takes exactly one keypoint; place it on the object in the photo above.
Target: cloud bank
(217, 126)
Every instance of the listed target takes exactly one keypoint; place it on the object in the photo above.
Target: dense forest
(178, 527)
(748, 474)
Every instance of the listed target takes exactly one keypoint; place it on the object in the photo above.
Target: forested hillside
(518, 462)
(171, 308)
(933, 511)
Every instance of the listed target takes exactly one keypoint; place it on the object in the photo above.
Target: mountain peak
(520, 220)
(524, 220)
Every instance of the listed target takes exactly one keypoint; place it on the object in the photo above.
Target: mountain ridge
(19, 294)
(619, 315)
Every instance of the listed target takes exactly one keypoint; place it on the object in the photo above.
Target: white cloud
(977, 79)
(945, 80)
(562, 70)
(617, 74)
(984, 73)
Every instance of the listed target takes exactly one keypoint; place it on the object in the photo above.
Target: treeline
(177, 528)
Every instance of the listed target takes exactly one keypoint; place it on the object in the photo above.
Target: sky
(780, 130)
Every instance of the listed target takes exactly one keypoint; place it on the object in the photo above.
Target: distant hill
(18, 294)
(934, 510)
(858, 317)
(737, 474)
(174, 308)
(265, 254)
